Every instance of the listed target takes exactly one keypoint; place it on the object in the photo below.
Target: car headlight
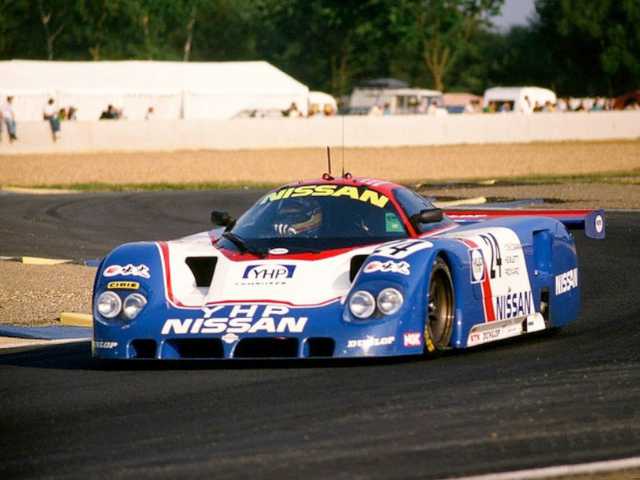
(362, 304)
(389, 301)
(133, 305)
(109, 304)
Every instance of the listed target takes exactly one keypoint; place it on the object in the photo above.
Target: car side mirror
(431, 215)
(221, 218)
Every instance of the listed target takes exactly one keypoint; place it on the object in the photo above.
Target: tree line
(575, 47)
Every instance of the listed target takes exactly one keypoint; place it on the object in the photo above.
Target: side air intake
(202, 269)
(356, 263)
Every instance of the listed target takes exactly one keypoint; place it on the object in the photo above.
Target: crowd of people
(598, 104)
(55, 115)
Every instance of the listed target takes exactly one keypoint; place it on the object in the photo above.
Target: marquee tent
(187, 90)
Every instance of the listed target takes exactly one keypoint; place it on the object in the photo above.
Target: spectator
(548, 107)
(386, 109)
(506, 107)
(9, 119)
(150, 115)
(292, 111)
(51, 115)
(109, 114)
(328, 110)
(562, 105)
(375, 111)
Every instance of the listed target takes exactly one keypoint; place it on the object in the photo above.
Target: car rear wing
(591, 221)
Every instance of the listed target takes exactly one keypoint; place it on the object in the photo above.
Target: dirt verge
(275, 166)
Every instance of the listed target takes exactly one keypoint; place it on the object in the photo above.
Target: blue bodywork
(330, 330)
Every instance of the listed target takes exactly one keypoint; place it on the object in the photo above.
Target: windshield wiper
(242, 245)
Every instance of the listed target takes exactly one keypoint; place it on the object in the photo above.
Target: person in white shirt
(9, 119)
(50, 113)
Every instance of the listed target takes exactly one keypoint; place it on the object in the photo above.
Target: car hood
(299, 280)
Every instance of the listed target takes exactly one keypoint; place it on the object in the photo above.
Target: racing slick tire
(440, 312)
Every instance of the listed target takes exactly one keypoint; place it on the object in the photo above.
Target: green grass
(152, 187)
(629, 177)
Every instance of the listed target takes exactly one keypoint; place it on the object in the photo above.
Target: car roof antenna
(347, 174)
(327, 176)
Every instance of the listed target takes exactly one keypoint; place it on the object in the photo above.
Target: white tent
(175, 89)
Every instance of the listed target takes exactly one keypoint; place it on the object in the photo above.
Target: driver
(298, 216)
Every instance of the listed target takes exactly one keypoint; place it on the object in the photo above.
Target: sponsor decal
(367, 343)
(102, 345)
(267, 274)
(490, 332)
(566, 281)
(403, 268)
(514, 304)
(477, 265)
(278, 251)
(236, 319)
(361, 194)
(392, 223)
(599, 223)
(511, 271)
(127, 270)
(412, 339)
(230, 338)
(402, 248)
(123, 285)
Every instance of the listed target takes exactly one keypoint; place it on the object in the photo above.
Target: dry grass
(275, 166)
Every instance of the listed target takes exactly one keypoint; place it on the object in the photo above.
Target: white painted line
(560, 470)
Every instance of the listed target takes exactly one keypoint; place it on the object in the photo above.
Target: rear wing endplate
(591, 221)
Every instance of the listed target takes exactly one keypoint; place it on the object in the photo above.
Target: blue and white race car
(341, 268)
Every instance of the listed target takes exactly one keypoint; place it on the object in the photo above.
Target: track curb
(74, 319)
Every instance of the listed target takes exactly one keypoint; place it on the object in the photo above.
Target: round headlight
(389, 301)
(133, 305)
(362, 304)
(109, 304)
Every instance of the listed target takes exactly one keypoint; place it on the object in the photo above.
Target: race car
(341, 268)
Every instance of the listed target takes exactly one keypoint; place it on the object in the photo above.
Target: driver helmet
(299, 216)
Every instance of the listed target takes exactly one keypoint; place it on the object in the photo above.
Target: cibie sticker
(127, 270)
(402, 248)
(123, 285)
(390, 266)
(477, 265)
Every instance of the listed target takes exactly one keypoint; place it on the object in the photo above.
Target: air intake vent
(267, 348)
(197, 347)
(320, 347)
(356, 263)
(202, 269)
(143, 348)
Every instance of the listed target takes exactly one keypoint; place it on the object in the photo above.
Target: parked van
(514, 99)
(395, 101)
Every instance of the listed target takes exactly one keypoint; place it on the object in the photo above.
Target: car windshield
(317, 217)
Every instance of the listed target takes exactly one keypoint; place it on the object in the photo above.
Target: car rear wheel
(440, 308)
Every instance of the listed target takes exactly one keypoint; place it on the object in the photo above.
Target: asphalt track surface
(568, 397)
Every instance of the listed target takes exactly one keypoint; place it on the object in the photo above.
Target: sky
(514, 12)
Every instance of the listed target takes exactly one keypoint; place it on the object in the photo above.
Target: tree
(54, 17)
(595, 46)
(440, 31)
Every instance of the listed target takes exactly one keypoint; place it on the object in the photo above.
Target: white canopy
(174, 89)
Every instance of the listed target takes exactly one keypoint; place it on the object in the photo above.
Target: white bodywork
(313, 283)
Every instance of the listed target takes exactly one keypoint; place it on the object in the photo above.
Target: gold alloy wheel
(440, 308)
